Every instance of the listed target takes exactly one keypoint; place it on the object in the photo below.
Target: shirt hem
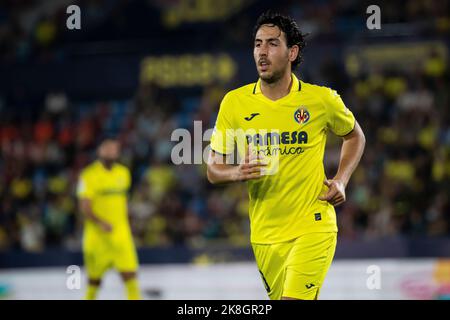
(294, 237)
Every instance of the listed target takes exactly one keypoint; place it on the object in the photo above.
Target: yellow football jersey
(107, 190)
(291, 134)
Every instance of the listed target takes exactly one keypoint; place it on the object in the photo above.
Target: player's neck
(278, 89)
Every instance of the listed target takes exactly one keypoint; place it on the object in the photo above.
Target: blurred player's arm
(218, 171)
(86, 192)
(351, 152)
(86, 209)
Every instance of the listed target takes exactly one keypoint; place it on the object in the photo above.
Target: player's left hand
(336, 192)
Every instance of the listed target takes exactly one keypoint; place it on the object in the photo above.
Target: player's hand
(105, 226)
(251, 168)
(336, 192)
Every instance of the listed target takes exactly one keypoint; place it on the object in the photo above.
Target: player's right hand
(252, 167)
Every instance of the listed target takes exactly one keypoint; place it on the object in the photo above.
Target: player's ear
(98, 151)
(293, 52)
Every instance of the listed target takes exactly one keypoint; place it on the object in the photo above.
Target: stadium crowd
(400, 188)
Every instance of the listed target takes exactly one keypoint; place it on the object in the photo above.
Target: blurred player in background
(292, 216)
(107, 239)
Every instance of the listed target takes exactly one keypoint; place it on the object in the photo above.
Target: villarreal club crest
(301, 115)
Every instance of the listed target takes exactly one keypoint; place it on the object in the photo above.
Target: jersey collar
(296, 85)
(100, 165)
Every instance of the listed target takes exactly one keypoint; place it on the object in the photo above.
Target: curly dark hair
(289, 27)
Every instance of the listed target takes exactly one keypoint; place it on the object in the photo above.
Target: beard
(274, 77)
(108, 162)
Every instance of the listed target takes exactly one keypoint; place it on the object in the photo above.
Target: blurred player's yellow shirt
(291, 134)
(107, 190)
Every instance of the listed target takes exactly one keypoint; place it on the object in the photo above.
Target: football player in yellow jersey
(107, 239)
(279, 125)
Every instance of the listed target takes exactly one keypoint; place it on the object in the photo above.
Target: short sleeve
(341, 120)
(127, 179)
(223, 137)
(85, 187)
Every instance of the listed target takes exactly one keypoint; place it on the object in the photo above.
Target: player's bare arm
(86, 209)
(351, 152)
(250, 168)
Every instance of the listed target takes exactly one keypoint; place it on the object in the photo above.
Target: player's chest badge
(302, 115)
